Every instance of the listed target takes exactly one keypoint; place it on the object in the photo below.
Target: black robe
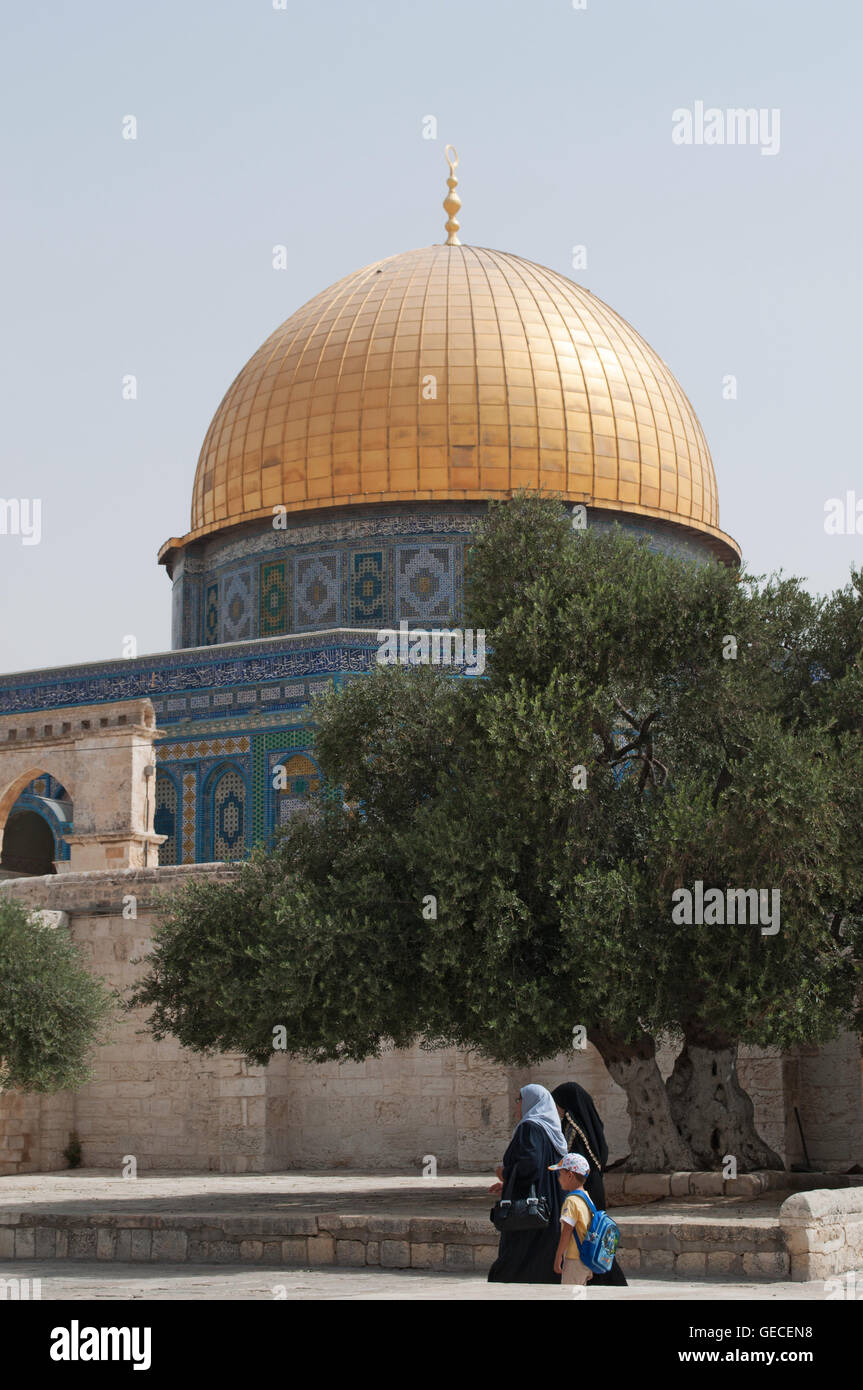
(527, 1257)
(585, 1135)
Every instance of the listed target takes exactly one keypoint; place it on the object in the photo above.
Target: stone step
(683, 1243)
(627, 1187)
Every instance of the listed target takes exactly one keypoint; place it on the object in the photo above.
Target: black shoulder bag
(525, 1214)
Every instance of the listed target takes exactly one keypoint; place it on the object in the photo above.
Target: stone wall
(823, 1232)
(174, 1109)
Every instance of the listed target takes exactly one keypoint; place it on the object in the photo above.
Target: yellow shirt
(576, 1213)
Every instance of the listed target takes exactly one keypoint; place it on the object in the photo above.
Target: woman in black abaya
(584, 1134)
(527, 1257)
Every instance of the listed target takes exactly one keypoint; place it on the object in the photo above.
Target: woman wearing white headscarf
(527, 1257)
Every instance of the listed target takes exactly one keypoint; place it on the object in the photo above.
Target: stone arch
(60, 769)
(43, 807)
(103, 757)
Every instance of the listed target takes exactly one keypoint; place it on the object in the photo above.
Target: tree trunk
(654, 1142)
(711, 1110)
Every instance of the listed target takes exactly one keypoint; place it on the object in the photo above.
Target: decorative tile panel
(189, 797)
(238, 619)
(204, 748)
(211, 616)
(274, 599)
(229, 816)
(368, 591)
(317, 595)
(424, 585)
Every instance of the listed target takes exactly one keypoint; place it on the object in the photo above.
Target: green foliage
(72, 1152)
(53, 1012)
(554, 903)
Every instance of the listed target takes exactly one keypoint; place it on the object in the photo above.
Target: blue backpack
(598, 1248)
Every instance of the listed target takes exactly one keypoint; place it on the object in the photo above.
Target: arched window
(229, 816)
(165, 819)
(293, 786)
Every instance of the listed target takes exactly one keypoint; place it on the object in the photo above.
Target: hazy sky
(304, 126)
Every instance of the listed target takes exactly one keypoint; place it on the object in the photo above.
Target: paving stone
(706, 1184)
(106, 1240)
(219, 1251)
(647, 1185)
(772, 1264)
(322, 1250)
(141, 1245)
(459, 1257)
(350, 1252)
(169, 1246)
(82, 1244)
(25, 1243)
(335, 1223)
(427, 1256)
(395, 1254)
(46, 1242)
(91, 1281)
(653, 1261)
(388, 1225)
(724, 1262)
(746, 1185)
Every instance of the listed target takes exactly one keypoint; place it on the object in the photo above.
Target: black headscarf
(577, 1104)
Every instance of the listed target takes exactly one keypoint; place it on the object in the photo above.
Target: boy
(575, 1218)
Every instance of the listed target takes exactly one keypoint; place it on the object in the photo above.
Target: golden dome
(455, 372)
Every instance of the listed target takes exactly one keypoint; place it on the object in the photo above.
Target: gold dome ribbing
(538, 384)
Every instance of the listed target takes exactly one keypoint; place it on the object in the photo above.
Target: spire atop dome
(452, 202)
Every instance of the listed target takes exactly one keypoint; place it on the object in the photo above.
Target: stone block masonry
(811, 1236)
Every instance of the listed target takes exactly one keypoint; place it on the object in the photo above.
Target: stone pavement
(83, 1190)
(93, 1280)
